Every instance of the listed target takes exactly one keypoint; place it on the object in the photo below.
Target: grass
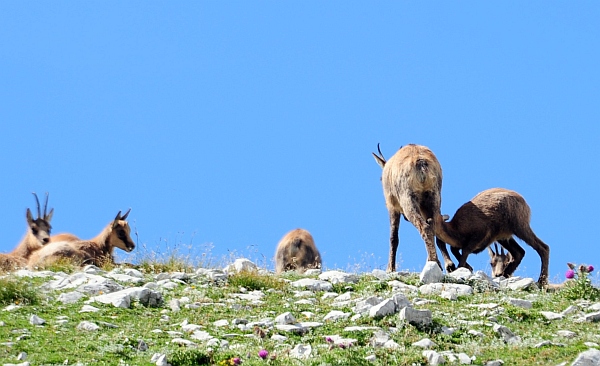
(121, 330)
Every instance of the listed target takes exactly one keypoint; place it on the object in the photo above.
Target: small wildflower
(590, 268)
(582, 269)
(328, 340)
(263, 353)
(237, 361)
(570, 274)
(342, 346)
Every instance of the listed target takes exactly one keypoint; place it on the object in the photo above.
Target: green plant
(252, 280)
(17, 291)
(189, 357)
(578, 284)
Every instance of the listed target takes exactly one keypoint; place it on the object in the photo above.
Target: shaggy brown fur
(97, 251)
(493, 215)
(297, 251)
(37, 235)
(412, 185)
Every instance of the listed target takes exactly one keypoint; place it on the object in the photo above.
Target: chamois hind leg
(517, 253)
(394, 228)
(412, 211)
(543, 250)
(458, 255)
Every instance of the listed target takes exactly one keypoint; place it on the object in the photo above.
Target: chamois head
(120, 236)
(40, 228)
(499, 260)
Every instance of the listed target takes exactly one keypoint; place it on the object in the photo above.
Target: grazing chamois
(297, 251)
(37, 235)
(499, 260)
(412, 185)
(96, 251)
(493, 215)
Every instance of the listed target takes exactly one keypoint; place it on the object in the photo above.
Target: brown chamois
(37, 235)
(412, 185)
(493, 215)
(499, 260)
(64, 237)
(297, 251)
(96, 251)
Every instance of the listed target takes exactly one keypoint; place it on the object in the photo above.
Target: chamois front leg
(448, 263)
(394, 228)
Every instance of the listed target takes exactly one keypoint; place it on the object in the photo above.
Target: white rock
(403, 287)
(380, 274)
(88, 326)
(301, 351)
(592, 317)
(425, 343)
(522, 284)
(551, 316)
(184, 342)
(475, 333)
(506, 334)
(431, 273)
(449, 295)
(437, 288)
(285, 318)
(314, 285)
(566, 334)
(525, 304)
(88, 309)
(22, 356)
(159, 359)
(461, 274)
(434, 358)
(221, 323)
(201, 335)
(400, 301)
(336, 315)
(279, 338)
(191, 328)
(371, 358)
(70, 297)
(386, 307)
(122, 299)
(241, 264)
(295, 328)
(36, 320)
(336, 277)
(414, 316)
(124, 278)
(590, 357)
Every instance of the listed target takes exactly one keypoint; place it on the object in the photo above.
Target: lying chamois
(96, 251)
(493, 215)
(38, 235)
(297, 251)
(412, 185)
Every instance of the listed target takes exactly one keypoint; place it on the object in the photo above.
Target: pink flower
(328, 340)
(590, 268)
(263, 353)
(570, 274)
(237, 361)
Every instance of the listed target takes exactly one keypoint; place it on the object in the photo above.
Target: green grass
(117, 345)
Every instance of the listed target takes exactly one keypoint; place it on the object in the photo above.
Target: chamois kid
(412, 185)
(97, 251)
(493, 215)
(297, 251)
(37, 235)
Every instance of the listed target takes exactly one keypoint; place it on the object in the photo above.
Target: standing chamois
(38, 235)
(297, 251)
(97, 251)
(412, 185)
(493, 215)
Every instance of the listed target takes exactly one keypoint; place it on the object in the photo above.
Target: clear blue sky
(231, 123)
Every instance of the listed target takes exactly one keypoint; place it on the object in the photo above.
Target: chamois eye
(34, 230)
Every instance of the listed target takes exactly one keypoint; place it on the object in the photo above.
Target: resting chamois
(297, 251)
(37, 235)
(96, 251)
(493, 215)
(412, 185)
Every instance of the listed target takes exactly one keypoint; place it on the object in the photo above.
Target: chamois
(97, 251)
(37, 235)
(297, 251)
(412, 185)
(499, 260)
(493, 215)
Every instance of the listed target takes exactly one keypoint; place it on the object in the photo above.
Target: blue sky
(227, 124)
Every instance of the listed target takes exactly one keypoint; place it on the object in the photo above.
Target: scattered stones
(386, 307)
(431, 273)
(241, 264)
(36, 320)
(336, 277)
(87, 326)
(434, 358)
(301, 351)
(507, 335)
(438, 288)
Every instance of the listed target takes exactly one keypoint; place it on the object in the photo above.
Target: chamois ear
(49, 216)
(446, 218)
(29, 216)
(491, 252)
(379, 158)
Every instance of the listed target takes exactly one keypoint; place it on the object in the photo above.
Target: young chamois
(37, 235)
(297, 251)
(96, 251)
(499, 260)
(412, 185)
(493, 215)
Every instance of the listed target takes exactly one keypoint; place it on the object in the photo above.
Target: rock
(124, 278)
(87, 326)
(336, 277)
(314, 285)
(431, 273)
(460, 274)
(400, 301)
(566, 334)
(434, 358)
(380, 274)
(437, 288)
(424, 343)
(159, 359)
(312, 272)
(551, 316)
(386, 307)
(221, 323)
(294, 328)
(402, 287)
(22, 356)
(70, 297)
(184, 342)
(122, 299)
(88, 309)
(592, 317)
(371, 358)
(285, 318)
(416, 317)
(301, 351)
(507, 335)
(523, 284)
(279, 338)
(241, 264)
(449, 295)
(36, 320)
(335, 315)
(590, 357)
(525, 304)
(201, 335)
(494, 363)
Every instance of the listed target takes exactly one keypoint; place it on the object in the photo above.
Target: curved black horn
(38, 204)
(126, 213)
(118, 217)
(45, 205)
(379, 151)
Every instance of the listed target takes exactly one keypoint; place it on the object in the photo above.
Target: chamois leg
(450, 267)
(517, 253)
(394, 228)
(413, 214)
(458, 255)
(543, 250)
